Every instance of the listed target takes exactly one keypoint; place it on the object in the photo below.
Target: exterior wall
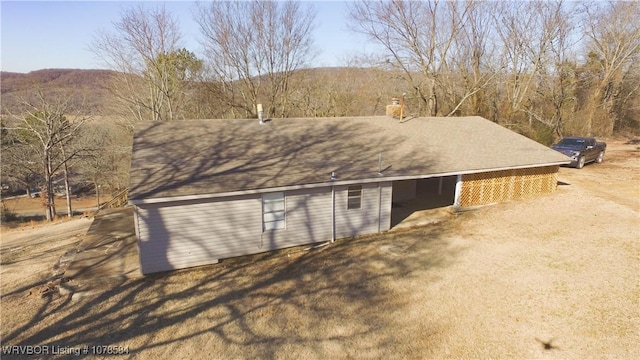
(192, 233)
(497, 186)
(352, 222)
(386, 192)
(404, 190)
(307, 220)
(195, 233)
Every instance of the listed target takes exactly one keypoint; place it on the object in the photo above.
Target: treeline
(83, 86)
(545, 69)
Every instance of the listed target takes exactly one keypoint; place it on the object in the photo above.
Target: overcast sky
(56, 34)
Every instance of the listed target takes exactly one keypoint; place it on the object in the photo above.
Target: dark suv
(581, 150)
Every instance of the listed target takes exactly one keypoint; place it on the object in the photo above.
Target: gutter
(376, 179)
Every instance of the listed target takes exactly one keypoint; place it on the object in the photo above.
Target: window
(354, 197)
(273, 211)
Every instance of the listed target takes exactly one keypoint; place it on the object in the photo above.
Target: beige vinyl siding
(186, 234)
(308, 219)
(385, 205)
(199, 232)
(189, 234)
(351, 222)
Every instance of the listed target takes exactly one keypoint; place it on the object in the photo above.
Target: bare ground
(555, 277)
(30, 212)
(25, 205)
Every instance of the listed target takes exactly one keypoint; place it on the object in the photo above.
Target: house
(205, 190)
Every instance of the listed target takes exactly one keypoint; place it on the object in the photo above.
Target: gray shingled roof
(200, 157)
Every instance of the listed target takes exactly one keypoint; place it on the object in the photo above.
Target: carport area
(413, 201)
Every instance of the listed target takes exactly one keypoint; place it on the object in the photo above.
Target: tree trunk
(433, 100)
(595, 100)
(47, 192)
(67, 190)
(97, 193)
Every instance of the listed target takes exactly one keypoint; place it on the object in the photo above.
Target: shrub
(7, 214)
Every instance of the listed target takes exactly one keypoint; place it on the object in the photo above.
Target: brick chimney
(393, 110)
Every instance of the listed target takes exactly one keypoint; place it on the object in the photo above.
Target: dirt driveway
(555, 278)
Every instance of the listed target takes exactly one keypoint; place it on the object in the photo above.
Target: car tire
(600, 157)
(580, 163)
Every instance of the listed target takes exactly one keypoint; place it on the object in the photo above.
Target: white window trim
(359, 197)
(283, 211)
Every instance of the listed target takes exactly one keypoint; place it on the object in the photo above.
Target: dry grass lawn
(555, 277)
(34, 206)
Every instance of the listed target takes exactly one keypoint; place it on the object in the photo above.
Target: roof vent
(333, 176)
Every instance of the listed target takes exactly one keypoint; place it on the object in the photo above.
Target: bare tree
(428, 42)
(107, 157)
(153, 69)
(357, 90)
(548, 97)
(473, 61)
(613, 31)
(19, 165)
(254, 47)
(48, 127)
(527, 31)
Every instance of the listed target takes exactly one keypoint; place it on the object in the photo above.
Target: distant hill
(50, 78)
(335, 91)
(85, 85)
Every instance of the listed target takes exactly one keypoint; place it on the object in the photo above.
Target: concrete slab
(421, 202)
(419, 217)
(107, 256)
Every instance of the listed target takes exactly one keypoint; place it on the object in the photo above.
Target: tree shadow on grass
(336, 300)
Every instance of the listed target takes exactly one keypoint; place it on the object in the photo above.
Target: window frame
(354, 197)
(274, 208)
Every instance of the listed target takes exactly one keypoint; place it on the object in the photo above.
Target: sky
(57, 34)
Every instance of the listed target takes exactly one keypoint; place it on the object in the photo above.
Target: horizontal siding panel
(205, 248)
(196, 233)
(308, 218)
(216, 212)
(385, 201)
(352, 222)
(198, 255)
(201, 232)
(187, 263)
(201, 228)
(219, 226)
(184, 256)
(169, 219)
(187, 260)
